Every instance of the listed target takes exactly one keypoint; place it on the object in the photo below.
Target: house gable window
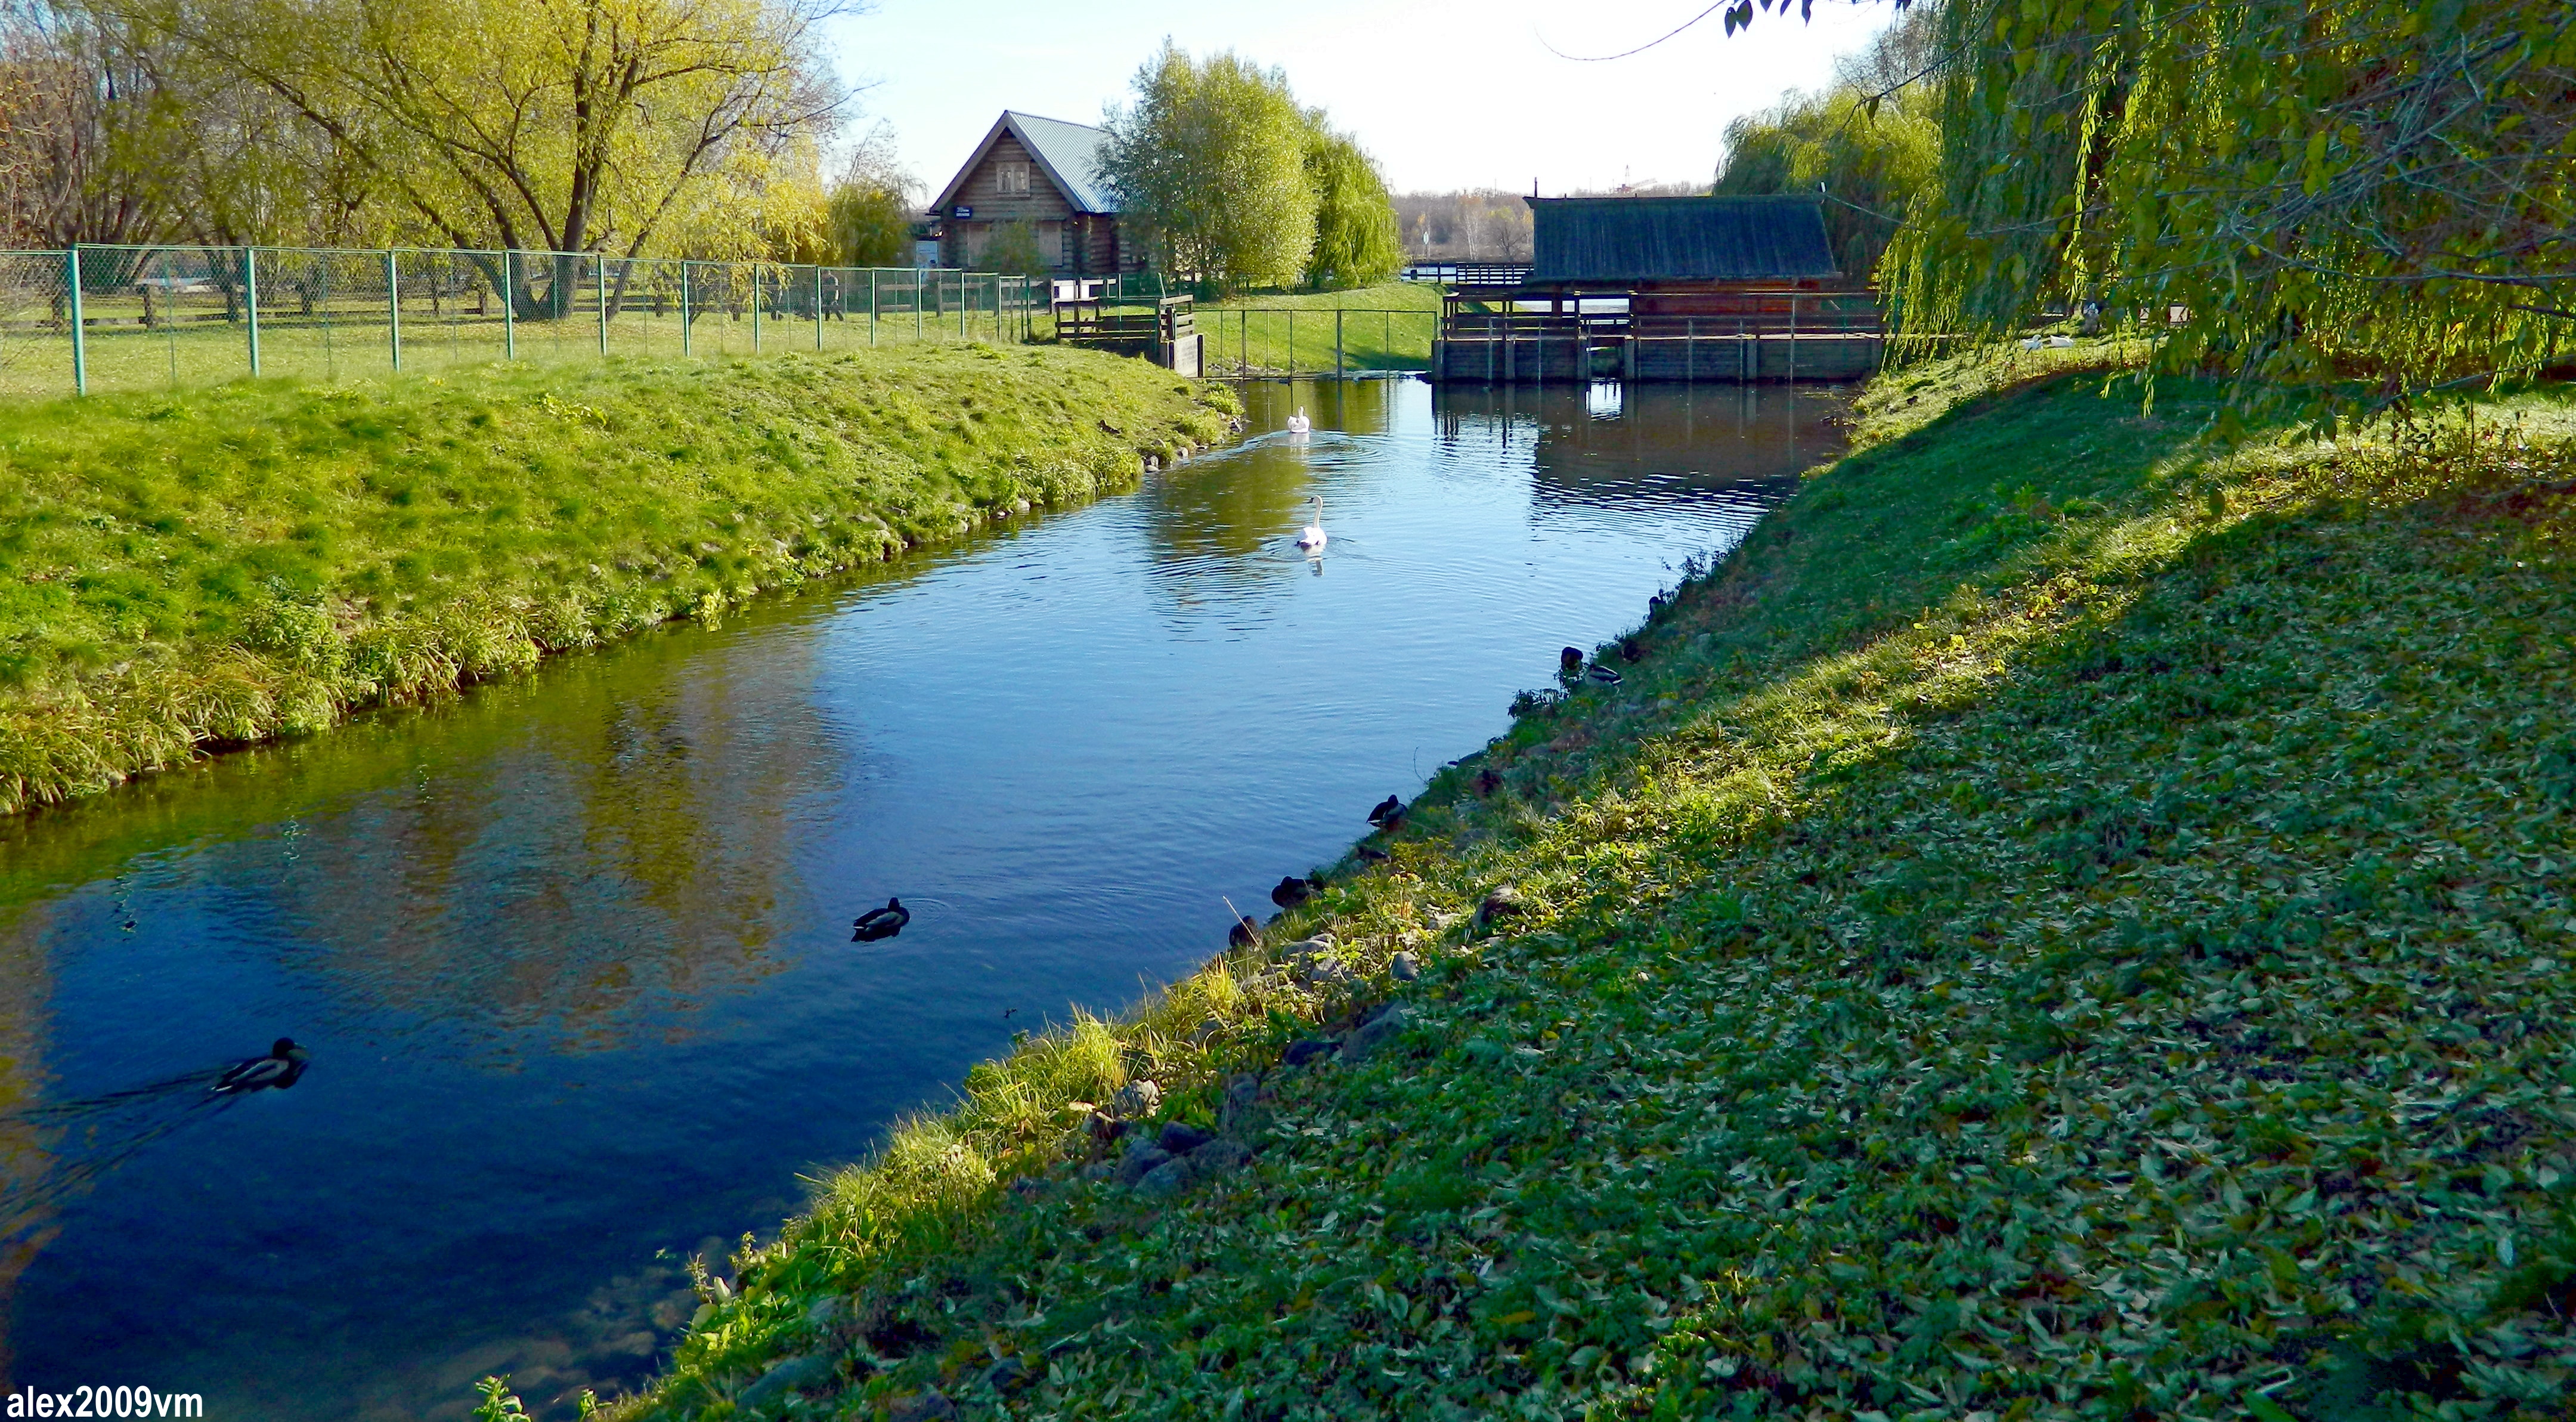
(1011, 179)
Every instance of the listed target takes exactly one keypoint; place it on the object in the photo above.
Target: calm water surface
(571, 954)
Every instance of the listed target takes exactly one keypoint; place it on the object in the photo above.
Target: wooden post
(1337, 343)
(1292, 342)
(1744, 356)
(1690, 351)
(1493, 342)
(1793, 338)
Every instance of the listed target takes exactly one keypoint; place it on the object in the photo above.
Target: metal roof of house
(1068, 153)
(1679, 239)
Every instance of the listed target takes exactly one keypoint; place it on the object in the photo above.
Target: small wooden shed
(1043, 172)
(1688, 288)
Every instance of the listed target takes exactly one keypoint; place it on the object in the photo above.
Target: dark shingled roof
(1685, 238)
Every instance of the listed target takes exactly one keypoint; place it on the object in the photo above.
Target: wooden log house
(1716, 289)
(1043, 172)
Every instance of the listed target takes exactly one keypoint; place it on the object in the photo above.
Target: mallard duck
(1371, 854)
(283, 1064)
(1244, 934)
(1570, 662)
(1292, 891)
(1387, 813)
(1629, 651)
(1603, 675)
(880, 923)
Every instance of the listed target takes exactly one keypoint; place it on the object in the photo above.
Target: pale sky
(1447, 93)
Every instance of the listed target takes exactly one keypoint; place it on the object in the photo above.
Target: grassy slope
(1370, 341)
(233, 563)
(2060, 925)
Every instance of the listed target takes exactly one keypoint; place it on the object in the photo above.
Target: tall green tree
(1358, 241)
(1871, 143)
(620, 126)
(867, 215)
(1209, 165)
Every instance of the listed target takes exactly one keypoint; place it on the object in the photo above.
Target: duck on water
(280, 1069)
(880, 923)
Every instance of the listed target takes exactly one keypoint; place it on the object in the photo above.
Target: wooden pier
(1703, 290)
(1744, 336)
(1163, 329)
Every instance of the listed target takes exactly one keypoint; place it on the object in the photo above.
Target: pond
(571, 955)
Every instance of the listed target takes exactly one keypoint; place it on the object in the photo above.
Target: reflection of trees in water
(579, 849)
(629, 852)
(26, 1165)
(1209, 523)
(1616, 448)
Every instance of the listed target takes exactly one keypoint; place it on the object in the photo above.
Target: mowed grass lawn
(1386, 327)
(2066, 922)
(223, 564)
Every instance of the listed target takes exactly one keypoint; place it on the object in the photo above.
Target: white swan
(1298, 423)
(1312, 538)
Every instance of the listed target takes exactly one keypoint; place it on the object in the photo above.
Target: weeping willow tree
(1357, 241)
(2293, 192)
(1869, 143)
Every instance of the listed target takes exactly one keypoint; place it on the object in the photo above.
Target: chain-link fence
(125, 318)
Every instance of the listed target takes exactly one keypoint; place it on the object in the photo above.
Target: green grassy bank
(186, 571)
(1385, 327)
(2064, 923)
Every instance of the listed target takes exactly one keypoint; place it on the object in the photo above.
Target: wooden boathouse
(1716, 289)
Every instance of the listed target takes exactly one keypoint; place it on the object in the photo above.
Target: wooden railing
(1169, 319)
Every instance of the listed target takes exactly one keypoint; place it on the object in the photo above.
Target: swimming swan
(1312, 538)
(1298, 423)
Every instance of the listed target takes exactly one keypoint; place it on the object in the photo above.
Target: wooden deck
(1164, 331)
(1658, 335)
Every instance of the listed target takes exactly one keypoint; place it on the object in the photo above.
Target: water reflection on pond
(571, 954)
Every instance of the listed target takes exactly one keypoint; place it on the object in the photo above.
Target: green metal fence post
(250, 302)
(755, 308)
(1337, 343)
(509, 306)
(599, 288)
(80, 338)
(918, 331)
(684, 307)
(818, 306)
(872, 306)
(393, 303)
